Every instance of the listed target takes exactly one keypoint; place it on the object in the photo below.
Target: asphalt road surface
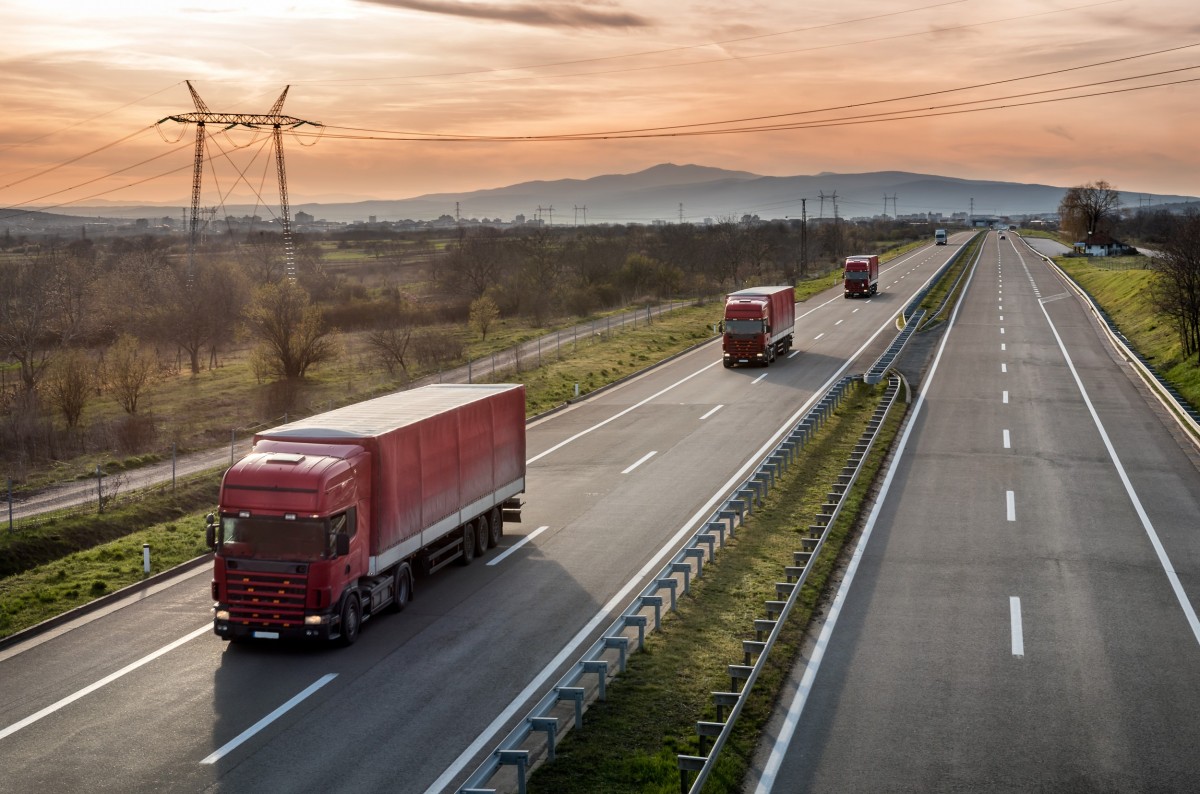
(142, 697)
(1020, 612)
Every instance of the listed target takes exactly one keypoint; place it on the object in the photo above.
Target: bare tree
(291, 330)
(1089, 209)
(130, 370)
(68, 384)
(39, 310)
(1176, 291)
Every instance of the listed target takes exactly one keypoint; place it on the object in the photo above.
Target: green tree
(484, 314)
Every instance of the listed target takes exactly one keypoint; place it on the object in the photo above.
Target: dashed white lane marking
(641, 460)
(1018, 633)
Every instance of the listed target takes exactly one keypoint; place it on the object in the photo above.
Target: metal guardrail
(1187, 416)
(587, 679)
(913, 316)
(777, 611)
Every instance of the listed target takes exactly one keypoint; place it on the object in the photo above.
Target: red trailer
(325, 521)
(861, 275)
(759, 324)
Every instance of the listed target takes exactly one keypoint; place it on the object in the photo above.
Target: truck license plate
(266, 635)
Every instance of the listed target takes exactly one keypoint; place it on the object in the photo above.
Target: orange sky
(78, 78)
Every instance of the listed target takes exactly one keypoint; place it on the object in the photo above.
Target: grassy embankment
(1121, 286)
(629, 742)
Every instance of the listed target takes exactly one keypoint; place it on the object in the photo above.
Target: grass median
(630, 741)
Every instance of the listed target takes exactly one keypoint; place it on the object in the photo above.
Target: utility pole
(272, 120)
(457, 216)
(971, 214)
(821, 195)
(681, 213)
(804, 237)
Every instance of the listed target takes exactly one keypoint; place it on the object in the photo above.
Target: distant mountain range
(666, 192)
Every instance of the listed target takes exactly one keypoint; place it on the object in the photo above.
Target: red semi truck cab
(326, 521)
(861, 275)
(759, 324)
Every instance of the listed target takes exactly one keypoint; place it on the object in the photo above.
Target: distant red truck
(861, 275)
(324, 523)
(759, 324)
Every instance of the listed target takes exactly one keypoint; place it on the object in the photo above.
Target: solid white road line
(1018, 638)
(1007, 441)
(267, 720)
(719, 407)
(108, 679)
(796, 707)
(1163, 560)
(641, 460)
(1010, 502)
(499, 559)
(756, 380)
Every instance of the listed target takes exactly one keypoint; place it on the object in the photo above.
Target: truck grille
(743, 348)
(265, 599)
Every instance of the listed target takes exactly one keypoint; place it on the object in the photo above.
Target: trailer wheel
(402, 587)
(468, 544)
(495, 527)
(351, 619)
(481, 536)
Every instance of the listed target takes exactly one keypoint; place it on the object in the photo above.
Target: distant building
(304, 217)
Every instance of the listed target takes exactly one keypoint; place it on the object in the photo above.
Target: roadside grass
(630, 741)
(1123, 290)
(175, 534)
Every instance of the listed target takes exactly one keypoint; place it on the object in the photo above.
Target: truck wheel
(468, 544)
(481, 536)
(351, 619)
(402, 587)
(495, 528)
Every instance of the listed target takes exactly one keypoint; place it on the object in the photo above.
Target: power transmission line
(273, 120)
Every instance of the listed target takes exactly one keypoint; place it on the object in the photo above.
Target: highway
(142, 697)
(1020, 612)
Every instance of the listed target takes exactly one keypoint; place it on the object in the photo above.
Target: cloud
(1059, 131)
(534, 14)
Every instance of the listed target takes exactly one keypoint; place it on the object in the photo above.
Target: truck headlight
(221, 614)
(315, 620)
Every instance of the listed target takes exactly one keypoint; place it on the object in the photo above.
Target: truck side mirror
(210, 531)
(342, 544)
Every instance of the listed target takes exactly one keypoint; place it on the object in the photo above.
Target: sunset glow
(80, 76)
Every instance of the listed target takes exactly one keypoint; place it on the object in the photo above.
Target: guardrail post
(670, 584)
(639, 621)
(519, 759)
(698, 554)
(688, 763)
(725, 700)
(684, 568)
(574, 693)
(549, 725)
(600, 668)
(656, 602)
(622, 646)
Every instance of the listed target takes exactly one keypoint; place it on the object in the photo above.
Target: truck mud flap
(511, 510)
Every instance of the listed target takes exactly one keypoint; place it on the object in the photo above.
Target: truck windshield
(274, 538)
(856, 275)
(743, 326)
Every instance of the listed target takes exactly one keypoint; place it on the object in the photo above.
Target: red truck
(861, 275)
(758, 325)
(327, 519)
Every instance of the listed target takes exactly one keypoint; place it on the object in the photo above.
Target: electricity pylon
(272, 120)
